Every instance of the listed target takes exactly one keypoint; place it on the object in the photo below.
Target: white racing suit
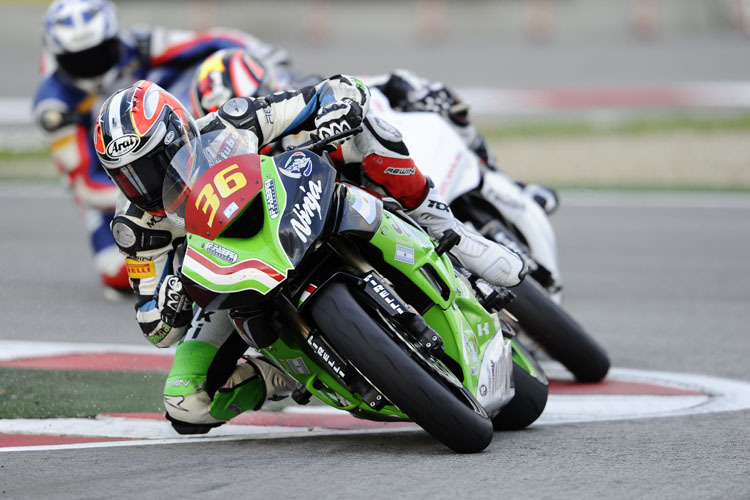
(407, 91)
(526, 206)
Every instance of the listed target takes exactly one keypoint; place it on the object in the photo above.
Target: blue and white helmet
(82, 35)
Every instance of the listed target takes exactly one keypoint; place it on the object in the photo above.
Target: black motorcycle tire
(400, 378)
(557, 333)
(527, 404)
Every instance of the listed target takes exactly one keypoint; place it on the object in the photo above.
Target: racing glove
(175, 305)
(337, 117)
(437, 98)
(175, 309)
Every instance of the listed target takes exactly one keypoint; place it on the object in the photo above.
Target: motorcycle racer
(140, 129)
(86, 56)
(407, 91)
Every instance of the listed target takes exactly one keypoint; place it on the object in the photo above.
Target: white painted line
(17, 349)
(718, 395)
(714, 395)
(285, 432)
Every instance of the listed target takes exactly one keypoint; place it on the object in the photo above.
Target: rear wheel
(449, 414)
(557, 333)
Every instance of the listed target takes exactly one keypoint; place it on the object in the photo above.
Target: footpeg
(493, 298)
(301, 395)
(449, 240)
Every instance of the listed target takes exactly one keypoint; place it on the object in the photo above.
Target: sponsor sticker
(327, 356)
(404, 254)
(271, 201)
(123, 145)
(297, 165)
(230, 210)
(298, 366)
(140, 270)
(363, 203)
(382, 292)
(307, 210)
(400, 171)
(220, 252)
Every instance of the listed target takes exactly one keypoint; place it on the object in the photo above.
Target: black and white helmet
(138, 132)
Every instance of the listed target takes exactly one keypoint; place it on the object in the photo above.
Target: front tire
(425, 398)
(557, 333)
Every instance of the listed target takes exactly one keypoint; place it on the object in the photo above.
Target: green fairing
(529, 365)
(464, 325)
(264, 247)
(288, 353)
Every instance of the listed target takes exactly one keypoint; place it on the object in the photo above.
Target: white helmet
(82, 35)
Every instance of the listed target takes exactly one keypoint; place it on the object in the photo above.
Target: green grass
(30, 155)
(33, 165)
(26, 393)
(646, 189)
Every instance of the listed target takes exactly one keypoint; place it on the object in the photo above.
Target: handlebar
(318, 147)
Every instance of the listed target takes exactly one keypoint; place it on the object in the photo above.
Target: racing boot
(194, 410)
(249, 386)
(491, 261)
(278, 384)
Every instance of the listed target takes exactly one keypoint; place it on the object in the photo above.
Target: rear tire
(425, 398)
(526, 406)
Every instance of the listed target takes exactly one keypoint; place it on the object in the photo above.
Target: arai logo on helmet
(123, 145)
(297, 165)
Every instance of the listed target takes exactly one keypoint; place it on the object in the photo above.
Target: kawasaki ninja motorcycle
(348, 296)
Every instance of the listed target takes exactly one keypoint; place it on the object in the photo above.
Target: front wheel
(557, 333)
(421, 395)
(526, 406)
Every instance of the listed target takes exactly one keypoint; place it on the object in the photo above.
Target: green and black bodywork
(353, 300)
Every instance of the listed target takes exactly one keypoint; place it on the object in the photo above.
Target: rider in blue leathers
(86, 57)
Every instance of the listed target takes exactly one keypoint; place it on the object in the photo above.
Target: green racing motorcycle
(347, 294)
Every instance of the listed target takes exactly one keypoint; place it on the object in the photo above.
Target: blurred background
(575, 93)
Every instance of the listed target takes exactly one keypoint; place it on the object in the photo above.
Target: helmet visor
(142, 180)
(91, 62)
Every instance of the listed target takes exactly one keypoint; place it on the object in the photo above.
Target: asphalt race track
(661, 279)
